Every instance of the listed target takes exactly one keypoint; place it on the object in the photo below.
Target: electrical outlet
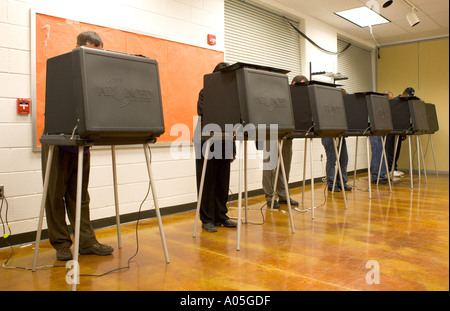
(2, 191)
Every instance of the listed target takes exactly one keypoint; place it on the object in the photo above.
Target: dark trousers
(61, 198)
(213, 206)
(268, 177)
(331, 161)
(390, 146)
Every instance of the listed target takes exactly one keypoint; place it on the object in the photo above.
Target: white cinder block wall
(185, 21)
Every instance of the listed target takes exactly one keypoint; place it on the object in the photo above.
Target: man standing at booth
(390, 140)
(213, 205)
(268, 177)
(328, 145)
(62, 188)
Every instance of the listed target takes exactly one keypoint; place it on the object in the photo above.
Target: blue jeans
(331, 161)
(377, 149)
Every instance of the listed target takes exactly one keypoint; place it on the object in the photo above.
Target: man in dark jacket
(213, 206)
(62, 188)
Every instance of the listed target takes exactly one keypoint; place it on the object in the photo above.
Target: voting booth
(357, 113)
(97, 97)
(400, 114)
(248, 94)
(368, 114)
(409, 117)
(103, 97)
(418, 113)
(319, 112)
(433, 124)
(379, 113)
(319, 108)
(433, 127)
(241, 100)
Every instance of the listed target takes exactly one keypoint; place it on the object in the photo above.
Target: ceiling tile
(434, 16)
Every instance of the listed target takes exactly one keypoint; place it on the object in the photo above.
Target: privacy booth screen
(319, 108)
(432, 118)
(104, 97)
(249, 95)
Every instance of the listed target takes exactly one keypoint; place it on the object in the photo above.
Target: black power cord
(125, 268)
(315, 44)
(6, 227)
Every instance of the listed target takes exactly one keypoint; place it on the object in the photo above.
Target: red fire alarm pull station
(211, 39)
(23, 106)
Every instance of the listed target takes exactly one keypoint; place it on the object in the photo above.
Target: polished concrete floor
(395, 241)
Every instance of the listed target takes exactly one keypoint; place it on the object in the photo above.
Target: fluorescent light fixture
(363, 17)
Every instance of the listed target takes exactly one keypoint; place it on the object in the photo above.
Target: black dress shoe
(275, 204)
(382, 181)
(347, 188)
(293, 202)
(64, 254)
(336, 188)
(227, 223)
(209, 227)
(97, 249)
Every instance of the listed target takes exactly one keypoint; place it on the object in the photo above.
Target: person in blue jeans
(377, 149)
(331, 164)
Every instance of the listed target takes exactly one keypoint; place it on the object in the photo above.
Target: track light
(412, 18)
(387, 3)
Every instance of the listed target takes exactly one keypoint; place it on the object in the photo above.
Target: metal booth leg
(275, 183)
(245, 181)
(280, 163)
(286, 186)
(383, 155)
(397, 137)
(312, 177)
(381, 162)
(434, 158)
(418, 156)
(202, 181)
(338, 157)
(356, 157)
(240, 158)
(41, 212)
(410, 161)
(340, 172)
(423, 160)
(368, 167)
(116, 195)
(383, 143)
(155, 200)
(304, 171)
(76, 247)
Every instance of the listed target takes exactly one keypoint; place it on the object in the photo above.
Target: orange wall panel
(181, 66)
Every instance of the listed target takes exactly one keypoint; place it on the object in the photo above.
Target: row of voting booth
(98, 97)
(251, 94)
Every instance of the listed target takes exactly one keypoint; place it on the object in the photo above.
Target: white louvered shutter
(257, 36)
(356, 64)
